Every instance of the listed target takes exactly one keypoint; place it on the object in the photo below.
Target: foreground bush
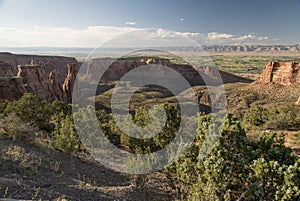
(235, 168)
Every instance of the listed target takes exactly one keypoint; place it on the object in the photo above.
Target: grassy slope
(31, 171)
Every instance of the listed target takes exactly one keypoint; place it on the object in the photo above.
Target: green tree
(257, 116)
(64, 135)
(235, 168)
(31, 109)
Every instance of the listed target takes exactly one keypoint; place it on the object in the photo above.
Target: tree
(235, 168)
(64, 135)
(31, 109)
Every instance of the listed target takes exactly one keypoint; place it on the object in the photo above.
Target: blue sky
(51, 23)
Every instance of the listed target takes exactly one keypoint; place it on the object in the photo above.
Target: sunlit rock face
(33, 78)
(284, 73)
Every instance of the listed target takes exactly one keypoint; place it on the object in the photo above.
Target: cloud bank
(93, 36)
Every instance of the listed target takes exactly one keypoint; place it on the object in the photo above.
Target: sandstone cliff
(69, 82)
(33, 78)
(44, 76)
(118, 68)
(284, 73)
(11, 88)
(298, 102)
(6, 70)
(57, 64)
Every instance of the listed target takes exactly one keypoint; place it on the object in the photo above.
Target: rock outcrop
(48, 77)
(36, 81)
(70, 81)
(298, 102)
(57, 90)
(284, 73)
(57, 64)
(33, 78)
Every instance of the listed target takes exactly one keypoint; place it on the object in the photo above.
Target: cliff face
(11, 88)
(285, 73)
(118, 68)
(43, 76)
(6, 70)
(298, 102)
(57, 64)
(34, 79)
(69, 82)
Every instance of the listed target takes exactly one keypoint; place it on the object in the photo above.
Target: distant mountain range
(207, 48)
(253, 48)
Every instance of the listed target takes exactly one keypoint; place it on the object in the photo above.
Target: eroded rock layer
(284, 73)
(112, 70)
(33, 78)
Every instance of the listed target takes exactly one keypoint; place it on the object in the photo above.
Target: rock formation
(57, 89)
(11, 88)
(284, 73)
(70, 81)
(44, 76)
(57, 64)
(33, 78)
(117, 68)
(298, 102)
(6, 70)
(36, 81)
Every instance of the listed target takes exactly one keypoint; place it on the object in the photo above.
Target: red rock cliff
(57, 64)
(70, 81)
(118, 68)
(285, 73)
(33, 78)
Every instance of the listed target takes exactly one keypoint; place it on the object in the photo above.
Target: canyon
(43, 76)
(53, 77)
(112, 70)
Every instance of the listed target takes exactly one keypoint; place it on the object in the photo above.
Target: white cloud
(263, 38)
(181, 19)
(215, 35)
(167, 34)
(94, 36)
(130, 23)
(245, 37)
(59, 36)
(228, 39)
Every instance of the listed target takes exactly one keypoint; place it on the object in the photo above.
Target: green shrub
(235, 168)
(31, 109)
(272, 118)
(12, 126)
(64, 135)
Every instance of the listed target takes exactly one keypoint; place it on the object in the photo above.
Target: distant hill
(80, 52)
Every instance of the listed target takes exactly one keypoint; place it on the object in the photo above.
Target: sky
(88, 23)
